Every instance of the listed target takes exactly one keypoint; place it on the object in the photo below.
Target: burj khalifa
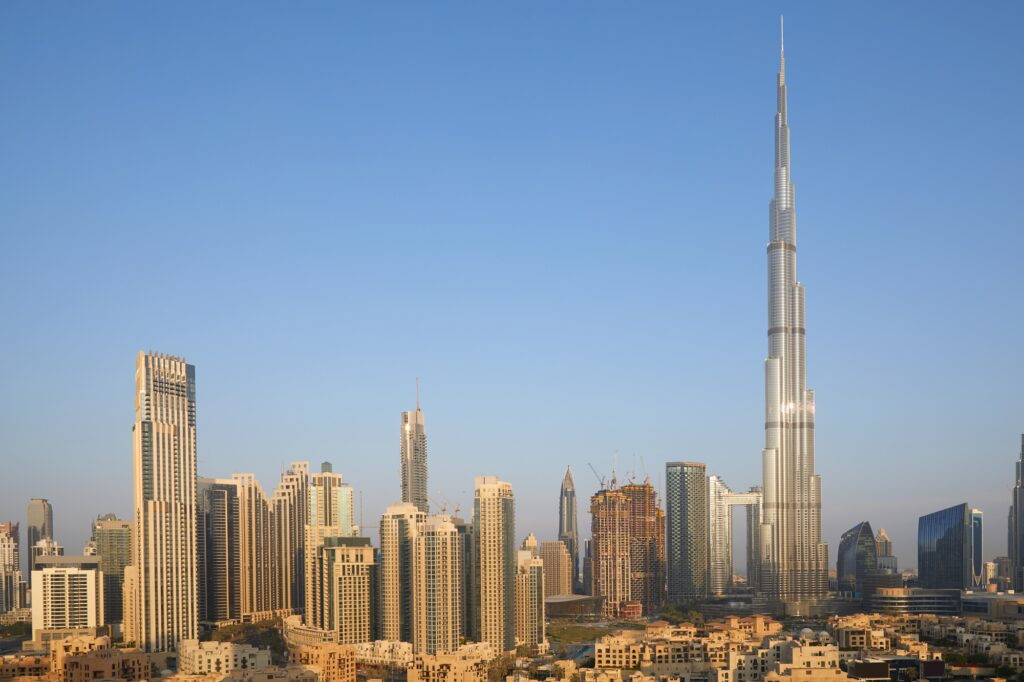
(794, 560)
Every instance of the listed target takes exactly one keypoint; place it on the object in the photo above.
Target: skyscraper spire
(568, 531)
(794, 560)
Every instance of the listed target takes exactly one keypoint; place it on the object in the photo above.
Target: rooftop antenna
(417, 394)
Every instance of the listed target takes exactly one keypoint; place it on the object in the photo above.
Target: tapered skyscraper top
(414, 457)
(794, 560)
(568, 531)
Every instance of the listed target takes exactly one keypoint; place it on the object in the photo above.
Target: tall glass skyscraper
(40, 525)
(794, 559)
(858, 557)
(949, 553)
(1015, 525)
(568, 532)
(686, 537)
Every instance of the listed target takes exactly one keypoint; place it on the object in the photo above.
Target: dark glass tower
(858, 557)
(1015, 527)
(218, 550)
(949, 549)
(686, 524)
(568, 532)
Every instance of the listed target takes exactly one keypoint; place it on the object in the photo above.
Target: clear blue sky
(554, 214)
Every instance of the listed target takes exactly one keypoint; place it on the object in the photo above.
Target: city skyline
(618, 398)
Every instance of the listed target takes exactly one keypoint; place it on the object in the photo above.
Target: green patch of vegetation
(264, 634)
(683, 613)
(575, 634)
(20, 629)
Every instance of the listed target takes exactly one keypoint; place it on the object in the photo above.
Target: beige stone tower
(347, 566)
(164, 601)
(495, 549)
(290, 505)
(398, 529)
(254, 544)
(557, 568)
(529, 599)
(437, 586)
(330, 515)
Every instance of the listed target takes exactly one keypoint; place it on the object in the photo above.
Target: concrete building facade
(166, 595)
(558, 568)
(494, 536)
(398, 529)
(437, 586)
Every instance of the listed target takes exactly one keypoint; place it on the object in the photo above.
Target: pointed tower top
(567, 483)
(782, 47)
(417, 394)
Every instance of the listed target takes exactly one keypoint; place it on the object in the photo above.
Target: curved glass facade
(949, 549)
(858, 557)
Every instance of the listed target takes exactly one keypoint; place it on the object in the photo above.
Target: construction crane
(599, 477)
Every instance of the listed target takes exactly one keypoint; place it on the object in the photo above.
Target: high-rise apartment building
(437, 586)
(414, 457)
(721, 501)
(255, 544)
(10, 546)
(398, 529)
(883, 549)
(290, 512)
(10, 567)
(45, 547)
(610, 534)
(883, 543)
(470, 616)
(646, 546)
(330, 515)
(219, 555)
(67, 593)
(166, 598)
(686, 500)
(588, 567)
(558, 569)
(113, 538)
(39, 517)
(529, 599)
(794, 559)
(348, 569)
(1015, 524)
(568, 530)
(949, 549)
(494, 533)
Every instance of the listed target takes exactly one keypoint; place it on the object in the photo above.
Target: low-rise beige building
(24, 666)
(206, 658)
(330, 661)
(464, 665)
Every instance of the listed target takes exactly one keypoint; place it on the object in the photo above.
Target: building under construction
(628, 549)
(646, 521)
